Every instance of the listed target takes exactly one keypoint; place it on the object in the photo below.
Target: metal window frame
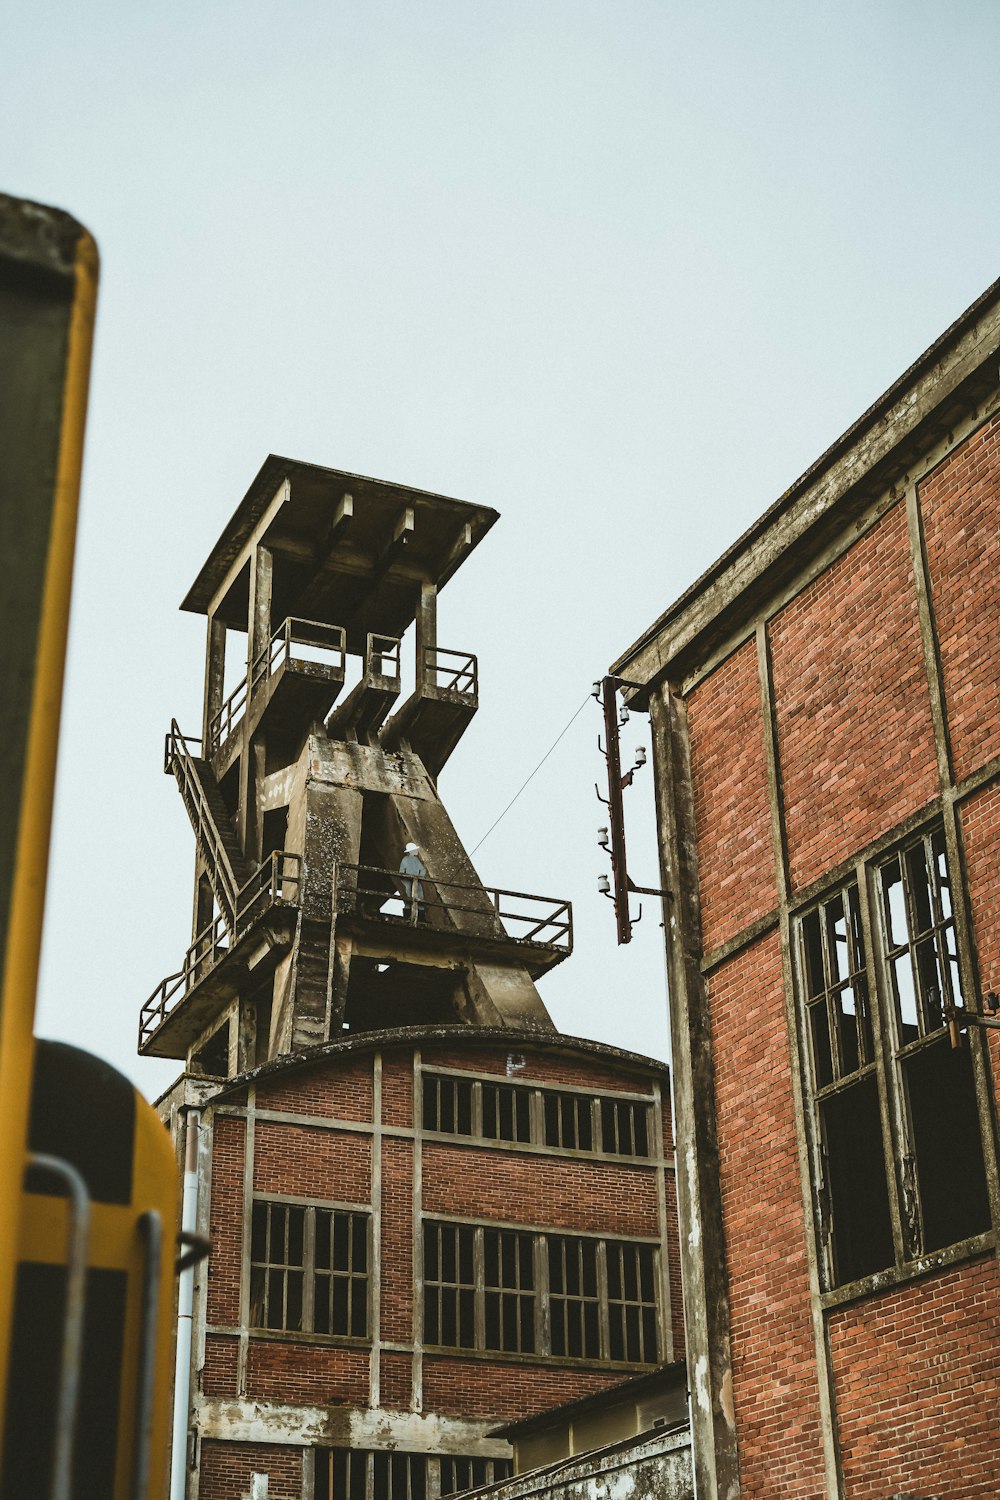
(582, 1103)
(889, 1049)
(310, 1271)
(542, 1239)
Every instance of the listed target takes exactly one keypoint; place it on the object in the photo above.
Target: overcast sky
(621, 270)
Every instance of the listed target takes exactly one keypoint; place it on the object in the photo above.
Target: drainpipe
(185, 1303)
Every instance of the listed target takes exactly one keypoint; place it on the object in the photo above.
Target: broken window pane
(860, 1227)
(951, 1177)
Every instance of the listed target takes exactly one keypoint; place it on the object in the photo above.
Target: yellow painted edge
(27, 902)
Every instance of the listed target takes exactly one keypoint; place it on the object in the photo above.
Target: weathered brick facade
(357, 1135)
(826, 718)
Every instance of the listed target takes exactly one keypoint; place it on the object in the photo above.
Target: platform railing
(275, 883)
(382, 656)
(376, 894)
(297, 641)
(452, 671)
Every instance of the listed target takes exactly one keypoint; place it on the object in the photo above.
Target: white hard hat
(411, 849)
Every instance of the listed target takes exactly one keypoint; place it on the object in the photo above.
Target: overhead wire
(534, 773)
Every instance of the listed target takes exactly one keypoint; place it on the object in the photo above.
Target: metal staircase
(226, 866)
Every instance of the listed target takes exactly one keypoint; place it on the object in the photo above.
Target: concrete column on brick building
(702, 1244)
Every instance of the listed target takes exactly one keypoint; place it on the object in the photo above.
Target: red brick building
(418, 1236)
(430, 1214)
(825, 706)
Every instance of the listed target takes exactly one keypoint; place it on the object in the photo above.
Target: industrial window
(448, 1105)
(344, 1474)
(489, 1288)
(459, 1474)
(574, 1298)
(506, 1112)
(568, 1120)
(631, 1273)
(518, 1113)
(892, 1104)
(308, 1269)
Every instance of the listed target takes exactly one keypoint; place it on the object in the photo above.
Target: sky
(621, 271)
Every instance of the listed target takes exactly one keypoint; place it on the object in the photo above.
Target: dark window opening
(951, 1175)
(857, 1207)
(624, 1127)
(509, 1291)
(568, 1121)
(458, 1474)
(308, 1269)
(930, 1143)
(574, 1298)
(506, 1112)
(448, 1105)
(631, 1302)
(213, 1057)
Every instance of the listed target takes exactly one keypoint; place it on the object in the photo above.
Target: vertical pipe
(185, 1307)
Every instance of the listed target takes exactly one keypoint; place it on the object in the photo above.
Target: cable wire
(534, 773)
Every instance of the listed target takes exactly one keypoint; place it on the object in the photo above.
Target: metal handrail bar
(557, 922)
(205, 829)
(71, 1353)
(462, 679)
(293, 630)
(209, 946)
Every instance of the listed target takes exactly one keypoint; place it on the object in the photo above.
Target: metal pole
(185, 1307)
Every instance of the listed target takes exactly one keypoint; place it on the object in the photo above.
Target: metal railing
(452, 671)
(177, 759)
(376, 894)
(315, 642)
(275, 883)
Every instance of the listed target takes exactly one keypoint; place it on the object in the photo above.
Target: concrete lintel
(269, 1422)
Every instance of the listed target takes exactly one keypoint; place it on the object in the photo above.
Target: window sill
(924, 1265)
(547, 1361)
(293, 1336)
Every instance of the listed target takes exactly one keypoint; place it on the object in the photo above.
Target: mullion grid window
(890, 1101)
(485, 1288)
(523, 1114)
(308, 1269)
(366, 1474)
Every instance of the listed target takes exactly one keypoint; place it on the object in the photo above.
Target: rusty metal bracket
(958, 1019)
(622, 886)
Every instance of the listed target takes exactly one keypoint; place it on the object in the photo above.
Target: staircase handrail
(269, 880)
(178, 759)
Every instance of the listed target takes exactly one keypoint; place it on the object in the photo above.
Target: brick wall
(226, 1469)
(397, 1088)
(774, 1367)
(397, 1240)
(917, 1375)
(218, 1376)
(396, 1378)
(342, 1090)
(482, 1388)
(539, 1190)
(311, 1163)
(980, 821)
(226, 1221)
(539, 1067)
(852, 705)
(959, 506)
(312, 1374)
(732, 812)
